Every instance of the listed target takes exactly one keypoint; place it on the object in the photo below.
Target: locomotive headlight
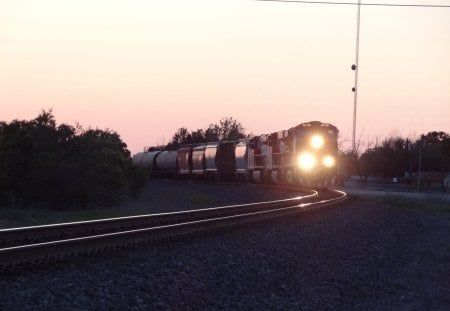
(306, 161)
(328, 161)
(317, 141)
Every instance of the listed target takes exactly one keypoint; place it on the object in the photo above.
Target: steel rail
(25, 235)
(28, 254)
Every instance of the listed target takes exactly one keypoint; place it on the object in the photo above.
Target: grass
(31, 217)
(19, 216)
(425, 202)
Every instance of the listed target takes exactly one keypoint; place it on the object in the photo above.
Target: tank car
(165, 165)
(146, 160)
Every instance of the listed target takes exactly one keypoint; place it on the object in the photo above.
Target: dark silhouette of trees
(388, 159)
(349, 164)
(446, 147)
(45, 165)
(432, 150)
(394, 157)
(433, 138)
(226, 129)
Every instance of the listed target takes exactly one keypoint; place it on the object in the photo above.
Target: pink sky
(147, 68)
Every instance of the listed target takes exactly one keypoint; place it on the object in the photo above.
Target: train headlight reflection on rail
(306, 161)
(328, 161)
(317, 141)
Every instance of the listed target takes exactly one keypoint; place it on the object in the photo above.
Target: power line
(365, 4)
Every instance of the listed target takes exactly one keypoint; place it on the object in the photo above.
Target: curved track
(30, 245)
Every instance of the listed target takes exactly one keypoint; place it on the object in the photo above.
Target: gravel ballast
(359, 255)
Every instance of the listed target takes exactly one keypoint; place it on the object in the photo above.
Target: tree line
(395, 156)
(227, 129)
(45, 165)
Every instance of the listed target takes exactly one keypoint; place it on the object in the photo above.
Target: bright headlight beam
(306, 161)
(317, 141)
(328, 161)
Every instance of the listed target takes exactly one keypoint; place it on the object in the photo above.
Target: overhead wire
(362, 4)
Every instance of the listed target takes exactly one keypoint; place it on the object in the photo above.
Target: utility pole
(355, 67)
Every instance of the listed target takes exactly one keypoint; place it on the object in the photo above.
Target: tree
(227, 129)
(103, 162)
(446, 147)
(181, 137)
(433, 149)
(45, 165)
(433, 138)
(394, 156)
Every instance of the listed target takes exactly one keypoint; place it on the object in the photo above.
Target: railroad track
(38, 244)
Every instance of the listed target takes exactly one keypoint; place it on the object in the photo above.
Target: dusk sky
(147, 68)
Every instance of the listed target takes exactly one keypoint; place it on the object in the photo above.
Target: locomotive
(303, 155)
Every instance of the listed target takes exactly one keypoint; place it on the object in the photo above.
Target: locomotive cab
(316, 153)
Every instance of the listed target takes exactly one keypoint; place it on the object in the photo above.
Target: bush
(44, 165)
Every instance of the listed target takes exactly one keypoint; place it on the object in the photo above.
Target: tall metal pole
(355, 67)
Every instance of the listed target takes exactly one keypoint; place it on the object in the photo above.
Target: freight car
(305, 155)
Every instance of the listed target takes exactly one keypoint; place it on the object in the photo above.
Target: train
(305, 155)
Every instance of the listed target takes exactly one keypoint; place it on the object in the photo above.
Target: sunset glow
(147, 68)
